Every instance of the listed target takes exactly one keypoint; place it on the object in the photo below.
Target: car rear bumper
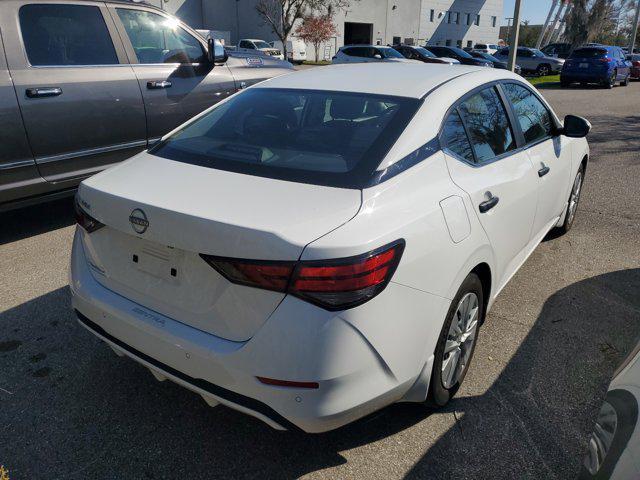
(577, 76)
(299, 342)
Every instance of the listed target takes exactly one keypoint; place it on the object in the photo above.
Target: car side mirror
(378, 56)
(216, 52)
(575, 127)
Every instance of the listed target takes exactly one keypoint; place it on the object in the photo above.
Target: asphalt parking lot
(69, 408)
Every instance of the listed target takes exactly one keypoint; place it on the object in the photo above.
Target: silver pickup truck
(86, 84)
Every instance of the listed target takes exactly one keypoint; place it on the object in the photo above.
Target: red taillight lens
(332, 284)
(85, 220)
(636, 63)
(606, 59)
(252, 273)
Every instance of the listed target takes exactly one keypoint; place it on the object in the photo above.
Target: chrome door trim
(91, 151)
(17, 164)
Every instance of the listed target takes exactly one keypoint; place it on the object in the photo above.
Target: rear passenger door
(80, 101)
(484, 160)
(550, 154)
(176, 79)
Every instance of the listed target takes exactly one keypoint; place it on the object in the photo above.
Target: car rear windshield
(390, 53)
(589, 53)
(311, 136)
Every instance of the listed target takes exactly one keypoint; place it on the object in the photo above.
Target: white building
(445, 22)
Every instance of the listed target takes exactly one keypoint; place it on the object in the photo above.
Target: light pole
(634, 30)
(513, 40)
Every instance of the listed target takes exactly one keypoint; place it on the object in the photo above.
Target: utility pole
(513, 40)
(554, 4)
(508, 19)
(634, 30)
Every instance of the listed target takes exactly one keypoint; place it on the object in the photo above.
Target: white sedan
(329, 242)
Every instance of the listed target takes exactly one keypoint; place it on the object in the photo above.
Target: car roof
(412, 80)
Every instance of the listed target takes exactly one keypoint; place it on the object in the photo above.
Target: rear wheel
(457, 341)
(565, 83)
(543, 70)
(625, 82)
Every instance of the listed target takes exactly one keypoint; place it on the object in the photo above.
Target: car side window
(454, 137)
(56, 34)
(534, 118)
(245, 44)
(157, 39)
(486, 120)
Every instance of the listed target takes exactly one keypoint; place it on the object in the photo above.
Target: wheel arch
(483, 271)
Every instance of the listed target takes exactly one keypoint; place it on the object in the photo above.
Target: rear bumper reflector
(233, 397)
(287, 383)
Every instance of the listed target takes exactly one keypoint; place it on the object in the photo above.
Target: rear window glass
(321, 137)
(589, 53)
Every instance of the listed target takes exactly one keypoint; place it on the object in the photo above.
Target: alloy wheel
(575, 197)
(460, 340)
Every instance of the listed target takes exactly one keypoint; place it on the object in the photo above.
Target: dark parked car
(604, 65)
(420, 53)
(496, 63)
(635, 65)
(86, 85)
(459, 54)
(557, 50)
(533, 60)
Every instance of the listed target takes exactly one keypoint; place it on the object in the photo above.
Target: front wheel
(572, 203)
(612, 80)
(457, 341)
(626, 80)
(543, 70)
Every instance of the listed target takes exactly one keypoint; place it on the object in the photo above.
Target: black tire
(565, 84)
(439, 395)
(612, 81)
(543, 69)
(569, 219)
(625, 82)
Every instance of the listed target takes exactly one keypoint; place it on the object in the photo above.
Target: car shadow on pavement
(34, 220)
(75, 410)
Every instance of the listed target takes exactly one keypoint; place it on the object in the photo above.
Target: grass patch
(321, 62)
(548, 80)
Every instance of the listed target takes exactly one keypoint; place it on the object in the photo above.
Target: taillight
(636, 63)
(85, 220)
(606, 59)
(331, 284)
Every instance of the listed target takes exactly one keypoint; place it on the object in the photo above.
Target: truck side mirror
(216, 52)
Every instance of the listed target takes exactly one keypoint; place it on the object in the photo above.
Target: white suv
(328, 242)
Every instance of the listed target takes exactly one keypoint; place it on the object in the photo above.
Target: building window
(478, 19)
(469, 43)
(468, 19)
(448, 17)
(494, 20)
(459, 43)
(448, 43)
(456, 17)
(397, 40)
(409, 41)
(432, 15)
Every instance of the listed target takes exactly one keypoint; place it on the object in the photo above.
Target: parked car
(603, 65)
(367, 53)
(496, 63)
(489, 48)
(414, 52)
(458, 54)
(635, 66)
(96, 84)
(557, 50)
(296, 49)
(271, 253)
(261, 46)
(614, 447)
(533, 61)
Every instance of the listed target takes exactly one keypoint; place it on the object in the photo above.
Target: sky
(533, 10)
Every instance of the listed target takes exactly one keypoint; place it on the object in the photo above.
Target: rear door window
(312, 136)
(454, 137)
(487, 124)
(158, 39)
(58, 34)
(533, 117)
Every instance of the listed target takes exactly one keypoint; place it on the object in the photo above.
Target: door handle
(489, 203)
(153, 85)
(543, 171)
(43, 92)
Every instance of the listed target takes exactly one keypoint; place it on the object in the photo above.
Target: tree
(316, 30)
(281, 15)
(589, 20)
